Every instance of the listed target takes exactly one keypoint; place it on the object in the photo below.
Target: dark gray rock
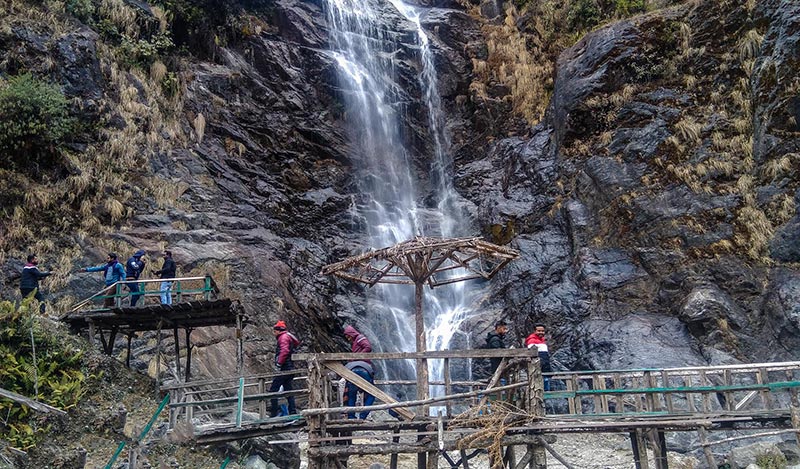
(80, 67)
(785, 244)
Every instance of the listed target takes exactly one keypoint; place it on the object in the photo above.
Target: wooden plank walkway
(644, 403)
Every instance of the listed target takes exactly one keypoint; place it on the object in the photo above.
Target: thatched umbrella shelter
(420, 261)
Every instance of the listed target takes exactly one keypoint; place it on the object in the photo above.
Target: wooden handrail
(99, 294)
(433, 354)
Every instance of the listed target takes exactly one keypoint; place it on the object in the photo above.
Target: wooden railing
(183, 289)
(227, 401)
(697, 390)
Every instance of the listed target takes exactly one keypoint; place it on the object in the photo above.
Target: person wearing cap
(285, 344)
(133, 269)
(29, 280)
(167, 271)
(363, 368)
(113, 272)
(495, 340)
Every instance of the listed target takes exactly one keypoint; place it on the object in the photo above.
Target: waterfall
(389, 205)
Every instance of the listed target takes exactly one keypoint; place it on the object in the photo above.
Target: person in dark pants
(113, 272)
(133, 269)
(285, 345)
(167, 272)
(29, 281)
(495, 340)
(363, 368)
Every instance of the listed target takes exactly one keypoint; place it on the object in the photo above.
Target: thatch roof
(435, 261)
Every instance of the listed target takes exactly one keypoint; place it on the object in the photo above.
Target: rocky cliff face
(654, 204)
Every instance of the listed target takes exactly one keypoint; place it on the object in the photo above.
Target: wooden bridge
(196, 302)
(509, 412)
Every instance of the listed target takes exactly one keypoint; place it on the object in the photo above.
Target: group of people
(286, 343)
(113, 272)
(495, 340)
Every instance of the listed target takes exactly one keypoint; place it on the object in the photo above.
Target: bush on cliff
(34, 120)
(38, 365)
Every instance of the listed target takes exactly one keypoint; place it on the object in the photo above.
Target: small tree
(33, 119)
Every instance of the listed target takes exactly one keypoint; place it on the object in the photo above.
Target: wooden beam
(364, 385)
(431, 354)
(31, 403)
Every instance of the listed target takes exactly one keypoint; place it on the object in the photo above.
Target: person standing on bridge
(363, 368)
(133, 269)
(113, 272)
(167, 273)
(29, 280)
(494, 340)
(538, 340)
(285, 344)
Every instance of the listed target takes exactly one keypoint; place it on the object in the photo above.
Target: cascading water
(366, 51)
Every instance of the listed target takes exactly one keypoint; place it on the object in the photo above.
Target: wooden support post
(510, 458)
(128, 356)
(448, 386)
(393, 458)
(668, 395)
(795, 408)
(728, 381)
(762, 377)
(659, 443)
(535, 407)
(158, 358)
(639, 448)
(620, 399)
(703, 434)
(422, 363)
(177, 351)
(315, 422)
(262, 403)
(92, 340)
(464, 459)
(188, 354)
(239, 344)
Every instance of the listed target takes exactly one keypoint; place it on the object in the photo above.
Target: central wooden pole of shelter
(422, 346)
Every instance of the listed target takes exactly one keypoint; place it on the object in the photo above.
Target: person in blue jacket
(113, 272)
(29, 280)
(133, 269)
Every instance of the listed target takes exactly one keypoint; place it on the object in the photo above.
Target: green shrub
(583, 15)
(628, 7)
(771, 460)
(143, 53)
(33, 119)
(81, 9)
(54, 376)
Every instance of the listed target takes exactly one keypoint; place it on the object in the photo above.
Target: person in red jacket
(363, 368)
(538, 340)
(285, 345)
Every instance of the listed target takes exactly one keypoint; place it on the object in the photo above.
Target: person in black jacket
(167, 272)
(133, 269)
(29, 281)
(495, 340)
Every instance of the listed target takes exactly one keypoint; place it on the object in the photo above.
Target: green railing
(119, 294)
(761, 387)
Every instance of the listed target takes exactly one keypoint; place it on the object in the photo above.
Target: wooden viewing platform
(499, 416)
(196, 303)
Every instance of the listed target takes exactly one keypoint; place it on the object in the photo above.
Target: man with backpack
(363, 368)
(133, 269)
(285, 345)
